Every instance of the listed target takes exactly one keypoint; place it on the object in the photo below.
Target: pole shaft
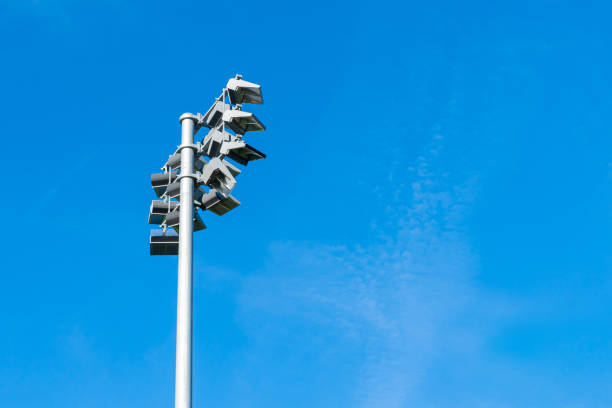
(182, 391)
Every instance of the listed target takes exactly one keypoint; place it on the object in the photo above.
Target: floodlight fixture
(222, 143)
(211, 144)
(235, 171)
(159, 209)
(159, 181)
(240, 152)
(241, 91)
(217, 174)
(199, 163)
(218, 203)
(214, 114)
(174, 191)
(174, 162)
(163, 242)
(242, 122)
(173, 220)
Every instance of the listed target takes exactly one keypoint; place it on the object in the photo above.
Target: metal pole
(182, 391)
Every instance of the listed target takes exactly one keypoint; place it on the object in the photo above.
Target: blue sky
(431, 227)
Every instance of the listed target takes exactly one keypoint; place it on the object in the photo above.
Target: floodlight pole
(182, 390)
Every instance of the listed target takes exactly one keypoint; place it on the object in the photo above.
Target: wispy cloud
(393, 299)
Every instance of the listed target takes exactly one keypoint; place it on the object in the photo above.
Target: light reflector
(159, 209)
(241, 91)
(214, 114)
(218, 203)
(173, 219)
(241, 152)
(241, 122)
(174, 191)
(159, 181)
(163, 243)
(216, 174)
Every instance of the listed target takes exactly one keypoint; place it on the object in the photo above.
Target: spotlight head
(174, 191)
(159, 209)
(211, 144)
(218, 203)
(212, 117)
(174, 162)
(159, 182)
(172, 220)
(235, 171)
(241, 91)
(163, 243)
(240, 152)
(216, 174)
(242, 122)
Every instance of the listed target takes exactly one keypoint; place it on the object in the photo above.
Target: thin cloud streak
(394, 299)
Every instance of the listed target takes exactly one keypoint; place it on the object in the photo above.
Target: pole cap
(188, 115)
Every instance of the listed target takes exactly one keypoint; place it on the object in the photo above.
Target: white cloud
(393, 299)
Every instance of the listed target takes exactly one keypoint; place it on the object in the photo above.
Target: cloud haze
(394, 301)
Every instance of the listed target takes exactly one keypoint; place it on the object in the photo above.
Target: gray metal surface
(242, 122)
(218, 203)
(215, 113)
(173, 220)
(159, 209)
(159, 181)
(174, 191)
(217, 175)
(174, 163)
(241, 91)
(182, 396)
(163, 243)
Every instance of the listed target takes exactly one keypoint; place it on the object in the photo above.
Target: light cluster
(214, 175)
